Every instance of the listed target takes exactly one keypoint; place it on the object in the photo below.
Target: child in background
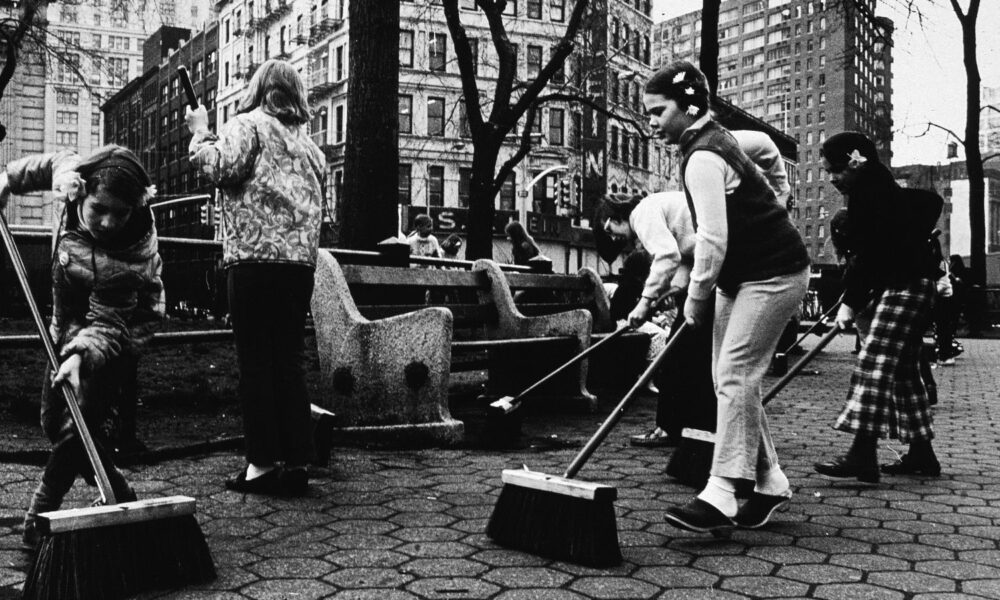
(451, 245)
(422, 241)
(106, 291)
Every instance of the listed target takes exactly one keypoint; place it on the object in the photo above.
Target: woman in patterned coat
(269, 174)
(889, 290)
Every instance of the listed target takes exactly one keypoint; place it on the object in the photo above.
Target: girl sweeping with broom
(748, 250)
(106, 292)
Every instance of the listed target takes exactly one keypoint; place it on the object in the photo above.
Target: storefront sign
(454, 219)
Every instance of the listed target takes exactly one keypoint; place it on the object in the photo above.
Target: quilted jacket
(270, 178)
(106, 299)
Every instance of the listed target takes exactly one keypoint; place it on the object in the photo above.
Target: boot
(919, 460)
(860, 462)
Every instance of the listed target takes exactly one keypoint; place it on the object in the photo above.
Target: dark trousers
(268, 304)
(687, 392)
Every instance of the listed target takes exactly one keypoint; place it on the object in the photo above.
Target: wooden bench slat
(463, 314)
(397, 276)
(486, 344)
(547, 282)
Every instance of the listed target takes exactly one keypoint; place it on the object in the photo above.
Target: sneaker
(656, 438)
(699, 516)
(757, 510)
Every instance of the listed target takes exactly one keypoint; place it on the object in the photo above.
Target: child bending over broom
(106, 292)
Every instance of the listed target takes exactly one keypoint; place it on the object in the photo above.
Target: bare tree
(509, 103)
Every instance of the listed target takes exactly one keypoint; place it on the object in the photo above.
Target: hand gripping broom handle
(590, 349)
(616, 414)
(818, 322)
(103, 483)
(801, 364)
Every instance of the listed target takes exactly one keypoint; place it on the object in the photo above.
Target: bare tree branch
(463, 53)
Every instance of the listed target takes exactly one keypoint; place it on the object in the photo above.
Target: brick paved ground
(391, 525)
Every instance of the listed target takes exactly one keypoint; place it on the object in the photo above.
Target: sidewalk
(391, 525)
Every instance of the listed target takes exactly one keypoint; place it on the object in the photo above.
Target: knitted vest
(763, 243)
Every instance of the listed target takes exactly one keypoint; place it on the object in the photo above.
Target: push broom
(560, 517)
(692, 459)
(114, 550)
(501, 412)
(779, 364)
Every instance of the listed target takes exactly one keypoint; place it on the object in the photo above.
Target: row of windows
(70, 14)
(437, 117)
(631, 44)
(436, 182)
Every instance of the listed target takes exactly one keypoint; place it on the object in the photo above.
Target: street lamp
(528, 194)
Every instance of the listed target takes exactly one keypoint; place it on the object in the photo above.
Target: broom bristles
(119, 561)
(558, 526)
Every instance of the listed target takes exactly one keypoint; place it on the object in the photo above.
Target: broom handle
(103, 483)
(801, 364)
(616, 414)
(590, 350)
(818, 322)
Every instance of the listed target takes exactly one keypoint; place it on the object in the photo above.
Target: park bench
(389, 336)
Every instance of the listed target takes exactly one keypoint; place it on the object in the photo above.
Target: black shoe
(698, 515)
(295, 481)
(268, 484)
(847, 466)
(757, 510)
(910, 466)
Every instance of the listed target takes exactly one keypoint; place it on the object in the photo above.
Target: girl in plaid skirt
(889, 293)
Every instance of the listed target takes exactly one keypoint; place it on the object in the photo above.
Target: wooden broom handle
(103, 483)
(818, 322)
(616, 414)
(801, 364)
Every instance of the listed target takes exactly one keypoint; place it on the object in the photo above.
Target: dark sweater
(763, 242)
(889, 230)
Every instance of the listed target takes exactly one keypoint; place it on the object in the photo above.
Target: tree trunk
(481, 200)
(974, 167)
(371, 151)
(710, 43)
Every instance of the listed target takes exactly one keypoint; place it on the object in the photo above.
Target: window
(534, 61)
(405, 185)
(64, 117)
(556, 116)
(405, 113)
(614, 142)
(508, 189)
(534, 9)
(435, 185)
(437, 48)
(511, 8)
(339, 118)
(559, 76)
(557, 10)
(464, 186)
(822, 97)
(626, 146)
(68, 14)
(405, 48)
(68, 67)
(339, 63)
(317, 127)
(67, 138)
(474, 50)
(435, 116)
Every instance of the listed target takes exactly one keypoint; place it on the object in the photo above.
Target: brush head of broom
(503, 406)
(558, 518)
(116, 551)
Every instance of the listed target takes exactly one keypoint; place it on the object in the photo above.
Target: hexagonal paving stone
(911, 582)
(764, 587)
(667, 577)
(283, 589)
(833, 545)
(733, 565)
(366, 558)
(613, 588)
(985, 557)
(520, 577)
(441, 588)
(820, 574)
(698, 594)
(280, 568)
(370, 542)
(958, 569)
(368, 578)
(373, 595)
(508, 558)
(539, 594)
(436, 549)
(870, 562)
(877, 535)
(369, 526)
(786, 555)
(855, 591)
(957, 542)
(443, 567)
(989, 588)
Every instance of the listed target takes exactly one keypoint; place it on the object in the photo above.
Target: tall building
(90, 51)
(810, 68)
(147, 115)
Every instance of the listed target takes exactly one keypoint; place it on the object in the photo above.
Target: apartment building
(989, 121)
(90, 51)
(810, 68)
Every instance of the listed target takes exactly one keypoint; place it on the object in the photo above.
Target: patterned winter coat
(105, 299)
(270, 177)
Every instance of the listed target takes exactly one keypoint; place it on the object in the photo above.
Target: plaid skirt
(887, 397)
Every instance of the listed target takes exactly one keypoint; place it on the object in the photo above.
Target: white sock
(255, 471)
(720, 493)
(772, 483)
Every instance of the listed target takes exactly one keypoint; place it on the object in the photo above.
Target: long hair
(523, 245)
(277, 88)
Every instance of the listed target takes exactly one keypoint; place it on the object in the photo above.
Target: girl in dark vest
(889, 290)
(751, 257)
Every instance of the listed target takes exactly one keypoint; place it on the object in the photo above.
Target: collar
(692, 132)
